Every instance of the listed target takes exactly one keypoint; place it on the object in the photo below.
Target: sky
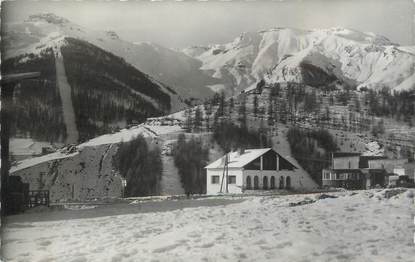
(178, 24)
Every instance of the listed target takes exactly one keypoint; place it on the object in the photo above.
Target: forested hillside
(312, 148)
(106, 90)
(38, 111)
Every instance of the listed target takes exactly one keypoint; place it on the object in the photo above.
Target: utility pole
(225, 175)
(8, 84)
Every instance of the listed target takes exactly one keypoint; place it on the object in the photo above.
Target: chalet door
(248, 182)
(256, 182)
(265, 182)
(288, 182)
(272, 182)
(281, 182)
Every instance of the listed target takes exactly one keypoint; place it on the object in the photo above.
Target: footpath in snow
(373, 225)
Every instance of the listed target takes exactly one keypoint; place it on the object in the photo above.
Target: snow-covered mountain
(90, 81)
(170, 67)
(313, 57)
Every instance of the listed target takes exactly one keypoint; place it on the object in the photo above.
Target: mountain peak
(47, 17)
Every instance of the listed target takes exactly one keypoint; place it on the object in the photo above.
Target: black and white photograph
(177, 131)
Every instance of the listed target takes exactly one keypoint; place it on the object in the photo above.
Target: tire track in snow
(66, 98)
(170, 181)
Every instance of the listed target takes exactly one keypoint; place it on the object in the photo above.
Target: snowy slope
(285, 54)
(168, 66)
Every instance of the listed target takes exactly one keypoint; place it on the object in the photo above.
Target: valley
(231, 131)
(270, 83)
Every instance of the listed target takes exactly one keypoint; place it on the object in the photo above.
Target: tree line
(305, 145)
(231, 137)
(398, 105)
(190, 157)
(140, 165)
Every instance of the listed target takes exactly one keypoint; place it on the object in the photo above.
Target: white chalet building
(254, 169)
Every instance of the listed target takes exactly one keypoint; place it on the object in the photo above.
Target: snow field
(355, 226)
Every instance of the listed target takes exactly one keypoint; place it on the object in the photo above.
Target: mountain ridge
(367, 59)
(165, 65)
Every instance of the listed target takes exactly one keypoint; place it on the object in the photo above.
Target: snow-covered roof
(41, 159)
(123, 135)
(237, 160)
(128, 134)
(27, 146)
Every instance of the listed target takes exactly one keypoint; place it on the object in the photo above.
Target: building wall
(388, 164)
(87, 175)
(399, 171)
(299, 180)
(343, 162)
(411, 173)
(295, 182)
(350, 180)
(332, 183)
(213, 189)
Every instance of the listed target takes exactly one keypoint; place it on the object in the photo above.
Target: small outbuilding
(253, 169)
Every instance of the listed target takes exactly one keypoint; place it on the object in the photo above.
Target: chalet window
(281, 182)
(254, 165)
(231, 179)
(214, 180)
(350, 165)
(285, 165)
(326, 176)
(269, 161)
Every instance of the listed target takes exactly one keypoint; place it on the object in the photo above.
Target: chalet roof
(345, 154)
(238, 160)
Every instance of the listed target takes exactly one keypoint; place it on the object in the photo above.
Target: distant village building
(356, 171)
(253, 169)
(163, 121)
